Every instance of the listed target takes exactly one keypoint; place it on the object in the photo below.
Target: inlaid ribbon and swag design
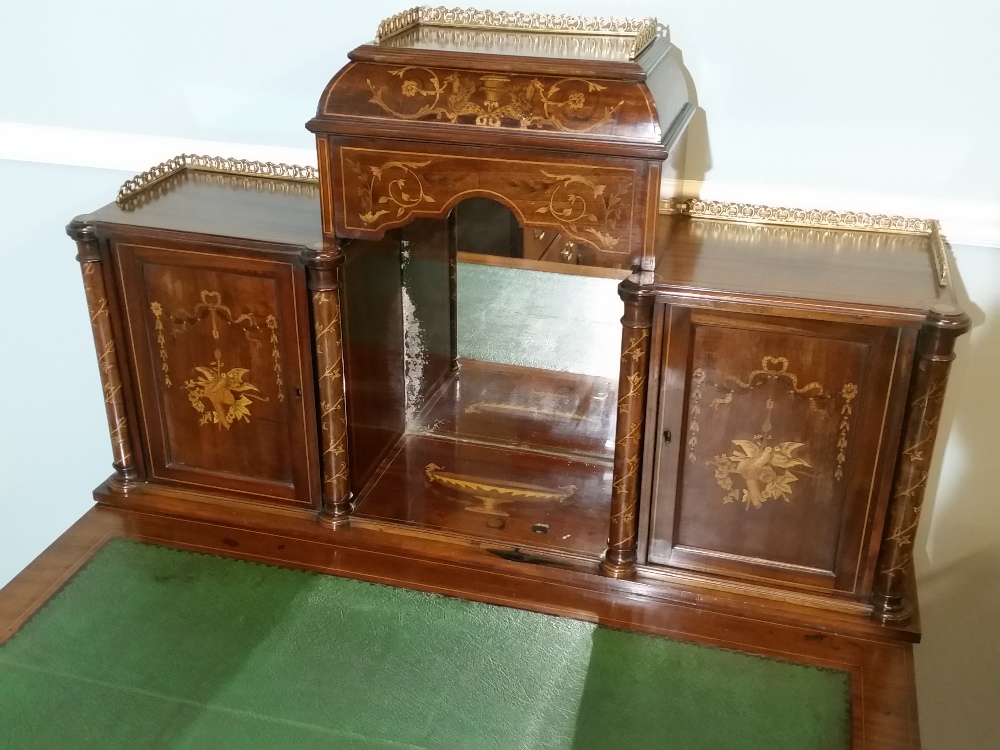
(220, 394)
(764, 467)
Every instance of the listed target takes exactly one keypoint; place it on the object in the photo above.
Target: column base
(617, 564)
(890, 610)
(123, 481)
(335, 518)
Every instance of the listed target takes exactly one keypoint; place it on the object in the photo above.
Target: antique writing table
(278, 349)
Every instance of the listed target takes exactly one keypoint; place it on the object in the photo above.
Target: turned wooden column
(323, 263)
(89, 257)
(620, 557)
(453, 285)
(935, 352)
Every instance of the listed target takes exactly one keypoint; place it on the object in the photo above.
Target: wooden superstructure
(280, 347)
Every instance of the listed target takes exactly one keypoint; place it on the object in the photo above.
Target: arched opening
(487, 227)
(501, 371)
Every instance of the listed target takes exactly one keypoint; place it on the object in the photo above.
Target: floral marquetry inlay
(764, 470)
(763, 465)
(333, 414)
(694, 412)
(589, 204)
(227, 394)
(393, 187)
(111, 384)
(161, 342)
(493, 100)
(914, 471)
(221, 395)
(632, 384)
(847, 395)
(759, 468)
(577, 201)
(272, 325)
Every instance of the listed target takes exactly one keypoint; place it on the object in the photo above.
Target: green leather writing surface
(150, 647)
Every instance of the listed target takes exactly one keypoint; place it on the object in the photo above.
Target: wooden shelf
(513, 455)
(523, 407)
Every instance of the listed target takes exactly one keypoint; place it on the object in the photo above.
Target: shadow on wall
(958, 663)
(693, 156)
(958, 547)
(698, 155)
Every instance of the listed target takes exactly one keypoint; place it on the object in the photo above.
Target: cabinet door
(215, 347)
(775, 443)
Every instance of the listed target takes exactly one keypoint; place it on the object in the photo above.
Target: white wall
(889, 106)
(890, 100)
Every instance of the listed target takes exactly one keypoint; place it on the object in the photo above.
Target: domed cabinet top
(590, 85)
(565, 120)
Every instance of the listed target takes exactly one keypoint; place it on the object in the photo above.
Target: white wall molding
(129, 152)
(963, 222)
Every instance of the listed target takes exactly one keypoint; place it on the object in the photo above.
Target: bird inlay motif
(763, 465)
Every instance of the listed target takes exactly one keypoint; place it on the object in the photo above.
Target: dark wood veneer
(677, 533)
(826, 391)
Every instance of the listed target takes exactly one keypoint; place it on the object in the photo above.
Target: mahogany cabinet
(785, 362)
(781, 460)
(196, 294)
(278, 341)
(780, 388)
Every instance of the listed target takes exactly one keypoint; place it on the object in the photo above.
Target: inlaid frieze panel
(489, 99)
(591, 203)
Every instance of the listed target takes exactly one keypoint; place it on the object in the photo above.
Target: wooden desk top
(883, 270)
(243, 207)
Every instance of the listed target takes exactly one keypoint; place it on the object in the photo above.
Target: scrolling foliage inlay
(635, 347)
(333, 413)
(391, 186)
(100, 322)
(493, 100)
(591, 204)
(571, 208)
(913, 472)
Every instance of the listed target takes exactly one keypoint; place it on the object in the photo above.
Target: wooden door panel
(776, 472)
(215, 345)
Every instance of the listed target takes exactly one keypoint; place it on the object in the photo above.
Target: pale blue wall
(54, 447)
(896, 97)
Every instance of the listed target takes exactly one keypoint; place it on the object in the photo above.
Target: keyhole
(666, 436)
